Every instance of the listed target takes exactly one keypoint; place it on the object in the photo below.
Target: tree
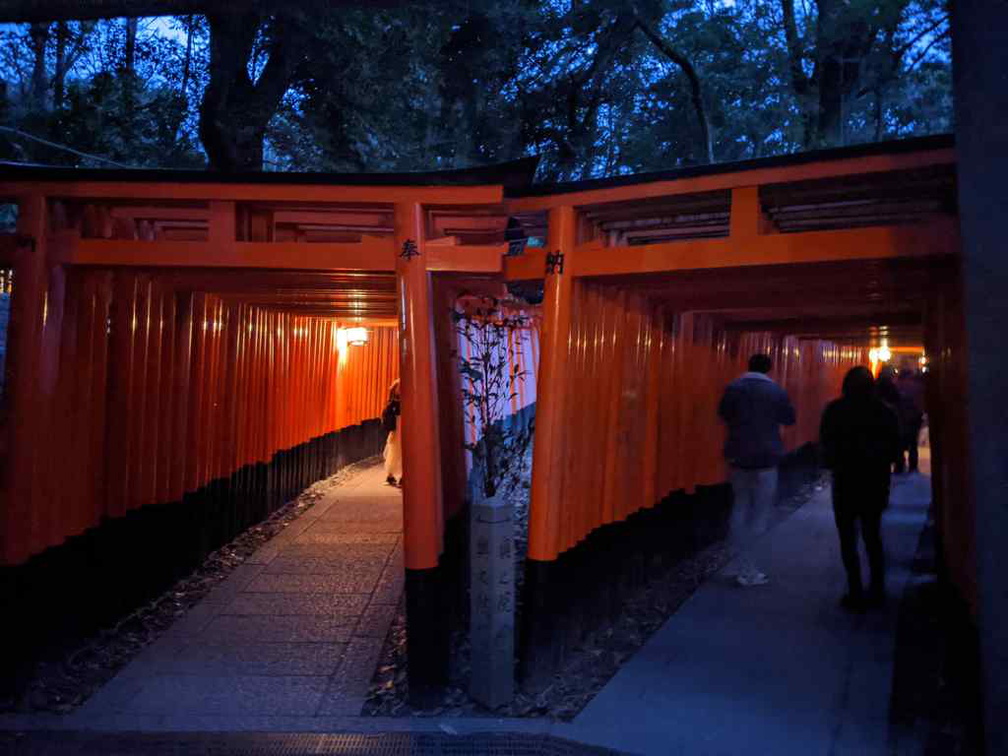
(238, 103)
(839, 52)
(596, 87)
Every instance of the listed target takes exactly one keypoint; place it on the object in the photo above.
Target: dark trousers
(908, 445)
(862, 505)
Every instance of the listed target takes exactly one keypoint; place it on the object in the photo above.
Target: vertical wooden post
(422, 499)
(547, 459)
(747, 219)
(25, 326)
(540, 649)
(981, 102)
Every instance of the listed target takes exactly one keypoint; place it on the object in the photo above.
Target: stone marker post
(492, 602)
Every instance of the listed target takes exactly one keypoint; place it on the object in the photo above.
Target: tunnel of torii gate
(177, 362)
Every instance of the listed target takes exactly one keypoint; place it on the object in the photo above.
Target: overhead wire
(65, 148)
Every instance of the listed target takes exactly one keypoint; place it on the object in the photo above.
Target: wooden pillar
(422, 497)
(981, 106)
(27, 316)
(540, 642)
(547, 455)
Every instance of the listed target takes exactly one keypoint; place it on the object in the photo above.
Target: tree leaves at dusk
(596, 88)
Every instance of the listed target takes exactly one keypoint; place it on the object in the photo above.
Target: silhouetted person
(754, 408)
(885, 389)
(860, 439)
(910, 384)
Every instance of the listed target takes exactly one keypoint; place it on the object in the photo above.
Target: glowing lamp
(357, 336)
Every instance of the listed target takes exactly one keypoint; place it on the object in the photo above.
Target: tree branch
(799, 80)
(694, 79)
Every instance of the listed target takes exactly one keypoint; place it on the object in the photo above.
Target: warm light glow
(884, 354)
(341, 340)
(357, 336)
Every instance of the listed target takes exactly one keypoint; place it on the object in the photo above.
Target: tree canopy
(597, 88)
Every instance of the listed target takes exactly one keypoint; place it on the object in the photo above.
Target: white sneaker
(752, 579)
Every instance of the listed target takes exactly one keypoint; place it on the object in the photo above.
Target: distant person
(885, 389)
(391, 424)
(910, 384)
(859, 437)
(754, 408)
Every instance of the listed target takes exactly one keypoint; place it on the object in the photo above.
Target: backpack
(389, 416)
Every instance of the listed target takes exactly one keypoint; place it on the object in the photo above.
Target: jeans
(754, 493)
(857, 501)
(871, 532)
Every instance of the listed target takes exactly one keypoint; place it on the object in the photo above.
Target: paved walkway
(288, 644)
(294, 632)
(777, 669)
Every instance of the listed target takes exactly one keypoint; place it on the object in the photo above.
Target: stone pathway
(295, 631)
(774, 669)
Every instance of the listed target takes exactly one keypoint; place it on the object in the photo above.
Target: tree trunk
(129, 67)
(39, 33)
(696, 91)
(183, 98)
(878, 114)
(130, 55)
(830, 121)
(59, 76)
(235, 112)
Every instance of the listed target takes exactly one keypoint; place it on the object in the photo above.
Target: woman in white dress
(393, 442)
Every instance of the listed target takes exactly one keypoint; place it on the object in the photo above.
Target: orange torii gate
(655, 286)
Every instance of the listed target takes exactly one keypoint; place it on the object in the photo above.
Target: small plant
(492, 371)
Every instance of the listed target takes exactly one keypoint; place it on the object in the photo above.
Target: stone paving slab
(342, 536)
(772, 669)
(294, 632)
(221, 694)
(302, 628)
(251, 659)
(341, 604)
(377, 557)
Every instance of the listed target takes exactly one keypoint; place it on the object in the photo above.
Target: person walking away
(391, 424)
(753, 408)
(859, 438)
(885, 389)
(911, 392)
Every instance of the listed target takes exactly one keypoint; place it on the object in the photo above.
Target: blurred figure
(885, 389)
(910, 384)
(859, 436)
(393, 442)
(753, 407)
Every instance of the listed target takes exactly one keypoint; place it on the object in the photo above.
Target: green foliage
(432, 85)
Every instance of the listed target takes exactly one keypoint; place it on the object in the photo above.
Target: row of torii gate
(170, 331)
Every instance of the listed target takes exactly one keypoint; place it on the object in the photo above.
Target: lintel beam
(934, 239)
(468, 258)
(754, 177)
(256, 192)
(371, 254)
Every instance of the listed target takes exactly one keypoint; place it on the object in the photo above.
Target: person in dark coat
(911, 391)
(860, 439)
(886, 390)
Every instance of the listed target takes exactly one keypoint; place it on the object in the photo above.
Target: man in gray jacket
(754, 408)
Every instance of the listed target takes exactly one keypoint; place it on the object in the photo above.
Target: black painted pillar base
(541, 639)
(426, 636)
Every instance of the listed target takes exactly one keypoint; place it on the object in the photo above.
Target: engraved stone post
(492, 602)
